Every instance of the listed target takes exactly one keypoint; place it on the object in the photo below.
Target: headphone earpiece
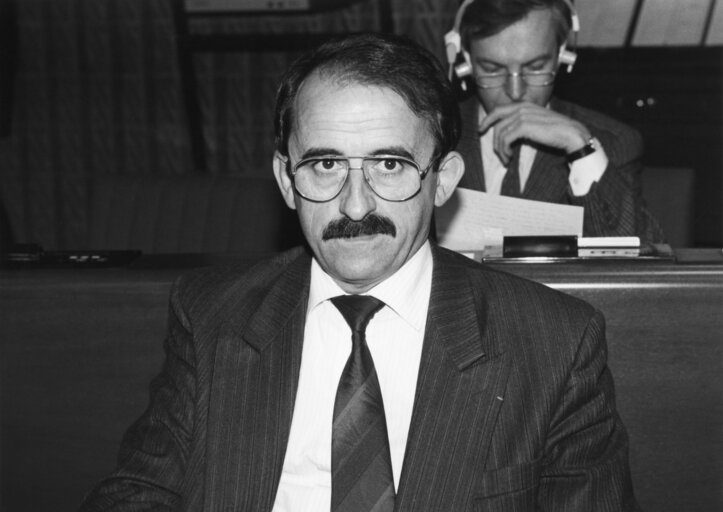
(464, 68)
(566, 58)
(453, 46)
(460, 64)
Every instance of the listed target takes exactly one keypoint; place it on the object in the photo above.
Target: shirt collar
(406, 292)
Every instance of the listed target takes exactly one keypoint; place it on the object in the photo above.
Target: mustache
(372, 224)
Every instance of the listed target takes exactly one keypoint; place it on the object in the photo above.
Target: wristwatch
(588, 149)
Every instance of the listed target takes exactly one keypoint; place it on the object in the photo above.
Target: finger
(502, 144)
(507, 132)
(498, 114)
(489, 121)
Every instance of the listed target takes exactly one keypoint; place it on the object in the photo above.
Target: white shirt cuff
(587, 170)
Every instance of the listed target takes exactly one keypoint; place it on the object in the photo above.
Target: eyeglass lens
(532, 78)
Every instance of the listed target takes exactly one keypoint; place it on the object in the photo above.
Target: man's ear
(451, 169)
(283, 180)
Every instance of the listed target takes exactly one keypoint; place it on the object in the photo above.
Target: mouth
(355, 239)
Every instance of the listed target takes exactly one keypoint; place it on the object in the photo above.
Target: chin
(366, 269)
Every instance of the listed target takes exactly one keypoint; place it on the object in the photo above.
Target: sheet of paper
(470, 218)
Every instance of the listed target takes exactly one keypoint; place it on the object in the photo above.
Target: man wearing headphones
(519, 141)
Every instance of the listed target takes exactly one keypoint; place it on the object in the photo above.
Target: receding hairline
(346, 76)
(385, 61)
(560, 21)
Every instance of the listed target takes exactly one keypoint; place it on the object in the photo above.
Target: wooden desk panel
(79, 348)
(665, 340)
(78, 351)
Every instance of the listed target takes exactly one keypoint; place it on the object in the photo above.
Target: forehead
(531, 37)
(350, 117)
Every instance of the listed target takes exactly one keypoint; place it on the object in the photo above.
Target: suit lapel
(548, 179)
(462, 378)
(254, 384)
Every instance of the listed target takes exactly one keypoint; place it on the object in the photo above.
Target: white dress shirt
(394, 336)
(583, 172)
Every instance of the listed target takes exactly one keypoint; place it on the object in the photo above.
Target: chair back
(190, 214)
(668, 192)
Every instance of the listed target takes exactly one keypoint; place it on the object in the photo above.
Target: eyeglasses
(531, 78)
(392, 178)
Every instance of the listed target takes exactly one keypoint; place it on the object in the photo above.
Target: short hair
(485, 18)
(381, 60)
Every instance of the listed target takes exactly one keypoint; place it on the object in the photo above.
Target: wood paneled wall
(97, 90)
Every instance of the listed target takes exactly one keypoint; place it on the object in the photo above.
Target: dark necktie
(511, 181)
(361, 467)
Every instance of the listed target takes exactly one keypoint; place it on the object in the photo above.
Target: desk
(665, 339)
(80, 346)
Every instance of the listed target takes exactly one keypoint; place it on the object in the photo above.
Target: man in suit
(518, 140)
(459, 388)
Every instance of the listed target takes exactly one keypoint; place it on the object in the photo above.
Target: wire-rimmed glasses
(530, 78)
(391, 177)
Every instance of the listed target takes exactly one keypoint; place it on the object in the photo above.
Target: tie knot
(357, 310)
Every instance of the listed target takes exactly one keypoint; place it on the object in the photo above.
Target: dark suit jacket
(514, 408)
(614, 206)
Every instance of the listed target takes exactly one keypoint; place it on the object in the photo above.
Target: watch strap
(588, 149)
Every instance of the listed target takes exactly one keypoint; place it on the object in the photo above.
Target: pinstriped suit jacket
(514, 408)
(614, 206)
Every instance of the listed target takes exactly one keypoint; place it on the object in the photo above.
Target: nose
(356, 199)
(515, 87)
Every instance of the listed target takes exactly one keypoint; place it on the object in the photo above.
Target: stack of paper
(477, 221)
